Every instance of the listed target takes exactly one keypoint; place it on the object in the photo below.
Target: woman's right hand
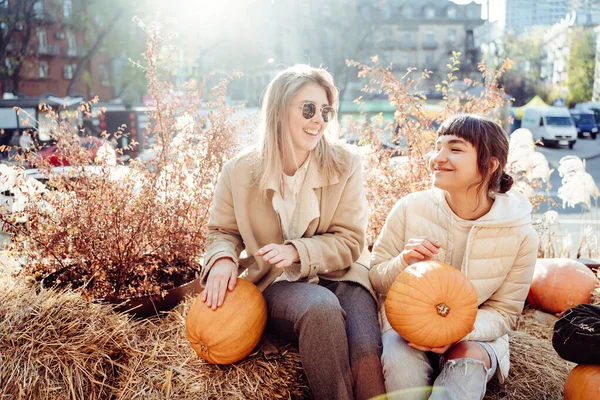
(222, 276)
(420, 249)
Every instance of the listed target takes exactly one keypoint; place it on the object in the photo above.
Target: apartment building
(53, 52)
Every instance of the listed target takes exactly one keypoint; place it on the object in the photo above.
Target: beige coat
(334, 209)
(499, 259)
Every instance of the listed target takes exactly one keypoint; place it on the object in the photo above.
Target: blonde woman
(296, 205)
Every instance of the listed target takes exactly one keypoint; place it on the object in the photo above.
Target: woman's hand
(222, 276)
(438, 350)
(281, 255)
(420, 249)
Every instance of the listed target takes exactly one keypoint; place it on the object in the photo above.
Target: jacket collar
(308, 202)
(315, 178)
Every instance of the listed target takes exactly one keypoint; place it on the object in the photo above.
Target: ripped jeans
(410, 374)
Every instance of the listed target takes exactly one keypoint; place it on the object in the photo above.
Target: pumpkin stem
(442, 309)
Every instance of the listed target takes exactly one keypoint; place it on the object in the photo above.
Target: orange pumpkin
(229, 333)
(583, 382)
(559, 284)
(431, 304)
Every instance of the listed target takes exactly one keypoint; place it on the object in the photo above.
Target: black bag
(576, 334)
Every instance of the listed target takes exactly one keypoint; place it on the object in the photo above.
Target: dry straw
(58, 345)
(166, 367)
(536, 323)
(55, 345)
(536, 371)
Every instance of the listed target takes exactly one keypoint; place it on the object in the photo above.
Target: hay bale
(536, 371)
(166, 367)
(537, 323)
(56, 345)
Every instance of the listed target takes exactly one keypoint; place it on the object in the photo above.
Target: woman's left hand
(281, 255)
(438, 350)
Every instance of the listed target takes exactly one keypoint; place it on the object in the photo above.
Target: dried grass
(56, 345)
(166, 367)
(536, 371)
(596, 297)
(536, 323)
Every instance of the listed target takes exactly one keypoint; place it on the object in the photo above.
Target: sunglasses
(310, 109)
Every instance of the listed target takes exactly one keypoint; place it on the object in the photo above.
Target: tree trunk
(92, 52)
(16, 79)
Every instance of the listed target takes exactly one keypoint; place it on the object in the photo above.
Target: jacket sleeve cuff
(307, 268)
(212, 258)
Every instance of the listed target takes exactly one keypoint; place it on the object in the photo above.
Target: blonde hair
(276, 139)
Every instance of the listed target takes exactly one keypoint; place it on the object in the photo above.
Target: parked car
(590, 106)
(56, 158)
(550, 125)
(585, 122)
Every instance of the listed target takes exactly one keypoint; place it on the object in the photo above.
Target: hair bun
(506, 182)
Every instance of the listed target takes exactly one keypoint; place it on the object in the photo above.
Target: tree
(582, 60)
(347, 36)
(17, 20)
(105, 23)
(523, 81)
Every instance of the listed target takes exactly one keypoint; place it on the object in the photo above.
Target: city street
(571, 219)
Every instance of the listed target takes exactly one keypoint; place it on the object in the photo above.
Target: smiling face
(454, 165)
(306, 133)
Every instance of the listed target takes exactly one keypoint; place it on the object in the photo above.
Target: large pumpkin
(431, 304)
(559, 284)
(583, 382)
(229, 333)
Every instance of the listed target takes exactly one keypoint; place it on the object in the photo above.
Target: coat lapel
(309, 202)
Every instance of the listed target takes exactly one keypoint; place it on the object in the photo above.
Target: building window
(429, 60)
(103, 72)
(44, 70)
(470, 40)
(42, 39)
(401, 58)
(67, 8)
(472, 13)
(407, 12)
(71, 44)
(451, 35)
(429, 37)
(429, 12)
(451, 12)
(38, 8)
(386, 57)
(407, 39)
(387, 37)
(69, 71)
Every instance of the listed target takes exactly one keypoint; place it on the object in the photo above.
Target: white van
(550, 125)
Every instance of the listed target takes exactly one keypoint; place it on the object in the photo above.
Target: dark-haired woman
(471, 220)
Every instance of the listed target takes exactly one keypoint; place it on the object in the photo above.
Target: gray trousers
(335, 325)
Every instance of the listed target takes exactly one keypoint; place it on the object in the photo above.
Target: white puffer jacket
(499, 258)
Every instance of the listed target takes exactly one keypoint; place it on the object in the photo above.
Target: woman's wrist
(295, 252)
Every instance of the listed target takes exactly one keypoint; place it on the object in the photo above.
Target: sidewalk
(584, 148)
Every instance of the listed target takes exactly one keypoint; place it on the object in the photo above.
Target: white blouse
(285, 203)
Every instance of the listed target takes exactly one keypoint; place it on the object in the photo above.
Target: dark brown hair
(490, 141)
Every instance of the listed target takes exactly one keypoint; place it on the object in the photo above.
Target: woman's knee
(321, 309)
(403, 366)
(469, 349)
